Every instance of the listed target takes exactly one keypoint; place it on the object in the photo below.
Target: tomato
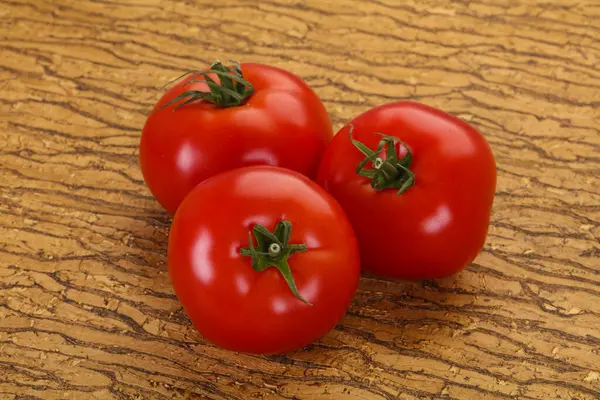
(419, 199)
(251, 115)
(247, 280)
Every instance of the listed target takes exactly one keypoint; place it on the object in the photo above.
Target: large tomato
(231, 117)
(417, 185)
(262, 259)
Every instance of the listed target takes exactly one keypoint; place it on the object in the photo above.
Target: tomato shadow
(411, 314)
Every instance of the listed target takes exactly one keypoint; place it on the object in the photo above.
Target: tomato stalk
(389, 172)
(232, 91)
(273, 250)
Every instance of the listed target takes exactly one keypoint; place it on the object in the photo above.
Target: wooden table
(86, 308)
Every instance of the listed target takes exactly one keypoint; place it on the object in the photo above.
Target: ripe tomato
(247, 280)
(420, 199)
(255, 115)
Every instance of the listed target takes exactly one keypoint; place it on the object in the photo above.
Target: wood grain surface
(86, 308)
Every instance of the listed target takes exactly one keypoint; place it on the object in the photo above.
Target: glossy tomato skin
(438, 226)
(240, 309)
(283, 124)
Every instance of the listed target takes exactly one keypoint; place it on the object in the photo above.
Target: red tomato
(421, 204)
(279, 122)
(245, 303)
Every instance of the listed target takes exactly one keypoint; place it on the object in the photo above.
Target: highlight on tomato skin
(228, 117)
(263, 260)
(418, 186)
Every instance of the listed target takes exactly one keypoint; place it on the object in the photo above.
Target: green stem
(386, 168)
(273, 250)
(231, 91)
(388, 173)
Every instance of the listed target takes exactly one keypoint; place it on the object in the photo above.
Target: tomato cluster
(274, 216)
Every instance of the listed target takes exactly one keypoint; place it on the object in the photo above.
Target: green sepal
(232, 90)
(392, 173)
(263, 259)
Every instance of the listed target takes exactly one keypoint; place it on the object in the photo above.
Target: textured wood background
(86, 309)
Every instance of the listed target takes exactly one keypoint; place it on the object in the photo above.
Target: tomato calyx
(389, 171)
(232, 91)
(273, 250)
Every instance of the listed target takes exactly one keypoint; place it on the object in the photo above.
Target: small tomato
(230, 117)
(417, 185)
(262, 259)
